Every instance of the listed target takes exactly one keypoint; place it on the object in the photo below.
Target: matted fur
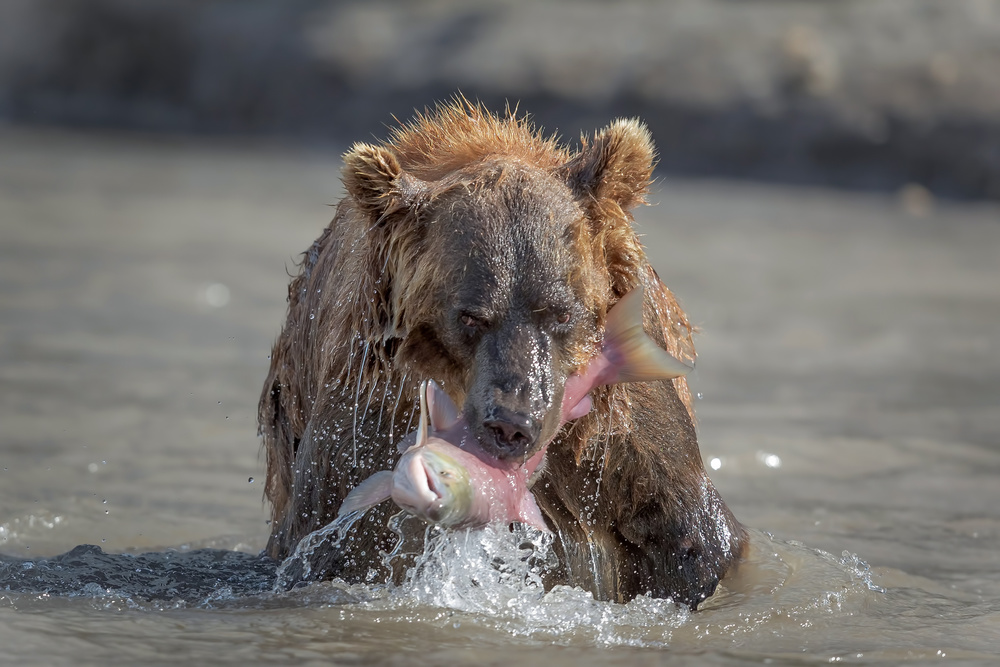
(367, 289)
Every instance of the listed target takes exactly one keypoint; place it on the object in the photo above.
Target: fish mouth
(432, 479)
(416, 487)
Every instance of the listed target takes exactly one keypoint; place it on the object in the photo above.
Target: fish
(445, 477)
(447, 484)
(628, 354)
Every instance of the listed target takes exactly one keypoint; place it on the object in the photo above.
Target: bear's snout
(513, 390)
(512, 434)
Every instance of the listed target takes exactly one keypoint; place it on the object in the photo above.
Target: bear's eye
(472, 322)
(564, 318)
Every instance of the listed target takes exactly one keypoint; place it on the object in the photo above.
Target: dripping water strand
(357, 400)
(385, 393)
(371, 392)
(607, 440)
(395, 407)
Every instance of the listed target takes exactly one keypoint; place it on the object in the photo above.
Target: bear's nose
(513, 433)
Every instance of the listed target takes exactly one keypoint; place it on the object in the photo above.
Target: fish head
(433, 485)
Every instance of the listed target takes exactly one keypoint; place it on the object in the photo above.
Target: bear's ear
(377, 183)
(616, 166)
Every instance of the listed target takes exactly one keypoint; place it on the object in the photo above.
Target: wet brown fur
(624, 487)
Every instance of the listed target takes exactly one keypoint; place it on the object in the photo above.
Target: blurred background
(866, 94)
(826, 209)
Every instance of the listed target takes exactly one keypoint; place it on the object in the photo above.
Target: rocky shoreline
(872, 94)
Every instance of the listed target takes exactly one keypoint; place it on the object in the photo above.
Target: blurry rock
(943, 69)
(811, 64)
(855, 94)
(916, 200)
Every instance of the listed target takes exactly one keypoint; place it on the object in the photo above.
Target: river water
(849, 407)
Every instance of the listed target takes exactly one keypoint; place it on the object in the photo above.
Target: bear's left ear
(616, 166)
(377, 183)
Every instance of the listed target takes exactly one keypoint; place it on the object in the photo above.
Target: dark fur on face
(471, 250)
(514, 313)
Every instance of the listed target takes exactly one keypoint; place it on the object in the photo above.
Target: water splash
(480, 571)
(493, 579)
(858, 570)
(486, 583)
(297, 569)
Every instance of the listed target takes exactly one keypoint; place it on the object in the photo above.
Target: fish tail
(638, 357)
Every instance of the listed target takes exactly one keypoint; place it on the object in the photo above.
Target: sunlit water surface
(849, 381)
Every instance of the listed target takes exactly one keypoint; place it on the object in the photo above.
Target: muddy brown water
(849, 383)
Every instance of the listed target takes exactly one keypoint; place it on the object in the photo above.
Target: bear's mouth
(471, 433)
(507, 434)
(512, 426)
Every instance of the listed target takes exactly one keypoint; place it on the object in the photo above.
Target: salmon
(445, 477)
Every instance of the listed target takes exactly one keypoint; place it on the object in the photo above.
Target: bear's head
(496, 255)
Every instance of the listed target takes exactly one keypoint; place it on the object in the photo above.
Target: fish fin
(529, 514)
(368, 493)
(443, 411)
(640, 359)
(422, 426)
(408, 441)
(436, 405)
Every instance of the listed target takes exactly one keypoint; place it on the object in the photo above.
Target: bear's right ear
(377, 183)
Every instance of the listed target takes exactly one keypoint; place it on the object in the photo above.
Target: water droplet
(699, 395)
(216, 295)
(768, 459)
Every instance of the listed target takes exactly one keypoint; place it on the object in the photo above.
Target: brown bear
(474, 251)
